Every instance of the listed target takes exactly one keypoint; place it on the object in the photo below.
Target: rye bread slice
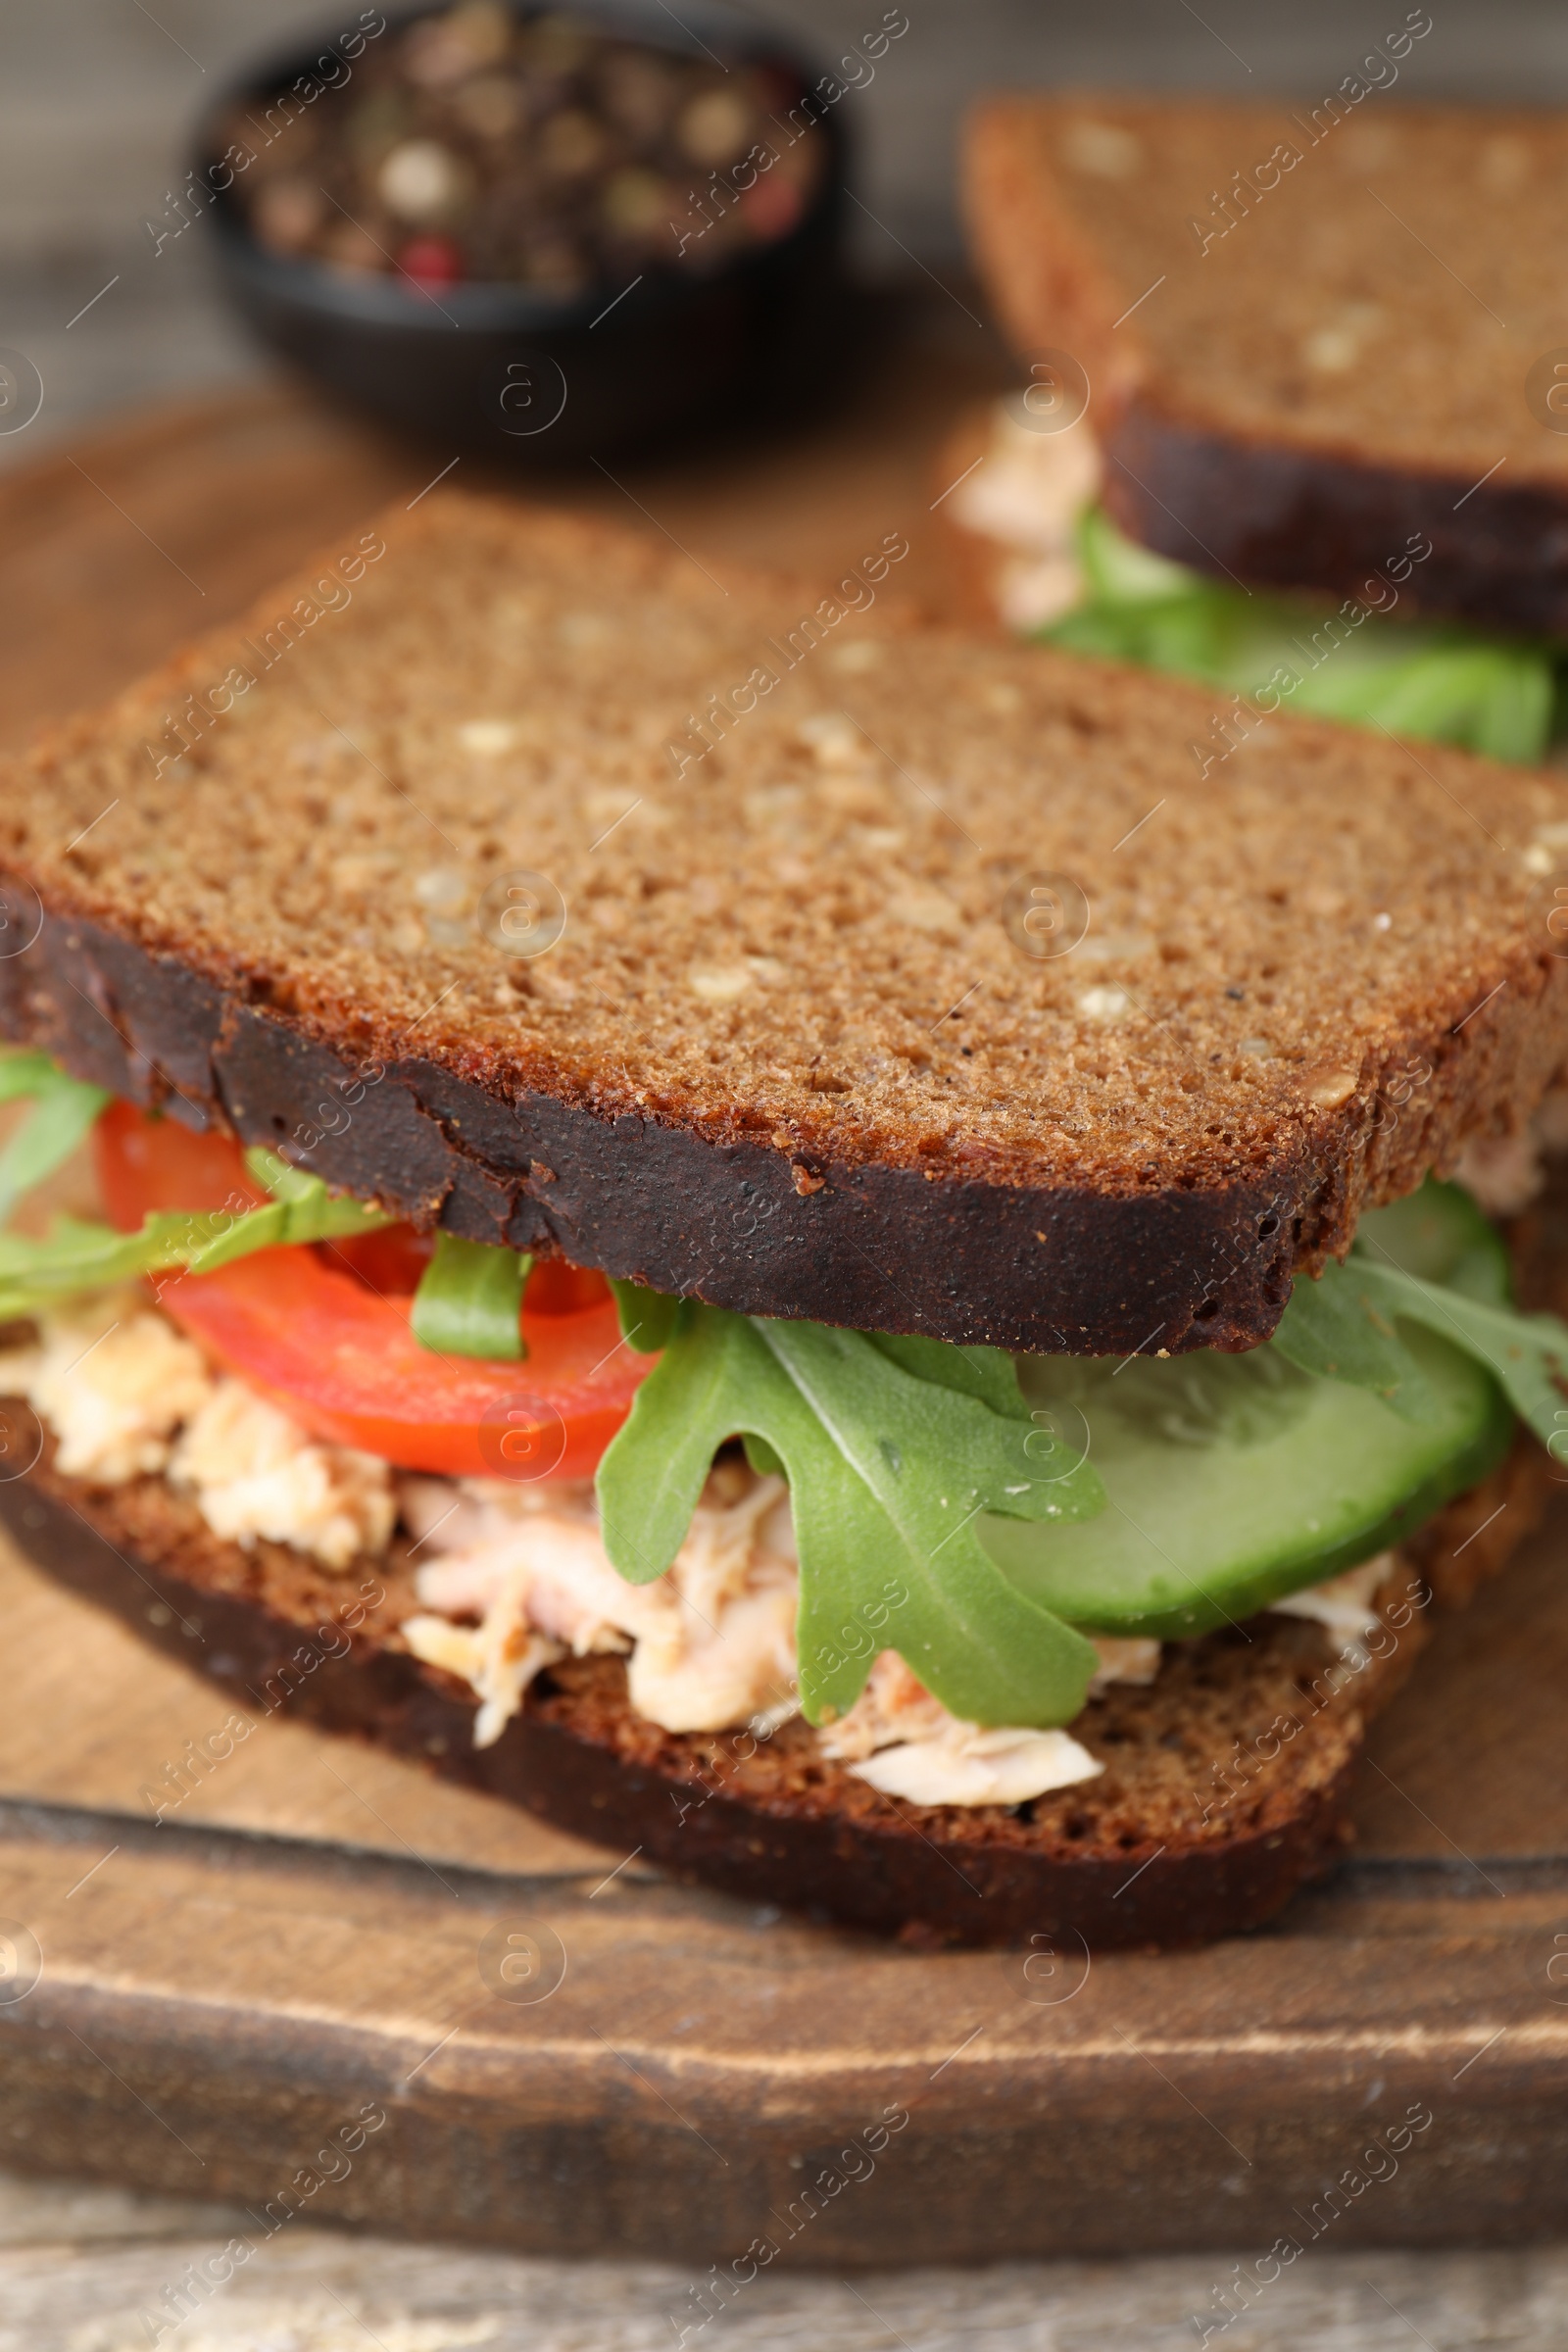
(1314, 336)
(1226, 1785)
(796, 1048)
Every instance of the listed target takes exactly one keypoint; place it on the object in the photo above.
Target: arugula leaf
(1121, 572)
(1438, 1233)
(1431, 1259)
(78, 1256)
(23, 1073)
(1340, 1328)
(654, 1467)
(987, 1373)
(888, 1472)
(646, 1317)
(1526, 1354)
(1344, 1325)
(66, 1109)
(467, 1303)
(301, 1209)
(469, 1299)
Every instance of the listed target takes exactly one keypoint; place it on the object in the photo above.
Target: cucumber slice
(1236, 1479)
(1439, 1235)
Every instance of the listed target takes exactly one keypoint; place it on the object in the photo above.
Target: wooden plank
(79, 2266)
(150, 531)
(303, 1934)
(106, 1717)
(1472, 1757)
(209, 2008)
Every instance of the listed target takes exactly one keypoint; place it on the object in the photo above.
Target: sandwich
(770, 1231)
(1294, 419)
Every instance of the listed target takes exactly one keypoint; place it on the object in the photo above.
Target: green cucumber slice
(1236, 1479)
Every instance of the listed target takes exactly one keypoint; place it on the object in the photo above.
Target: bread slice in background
(1297, 366)
(797, 1047)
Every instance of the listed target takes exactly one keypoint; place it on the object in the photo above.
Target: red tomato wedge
(325, 1331)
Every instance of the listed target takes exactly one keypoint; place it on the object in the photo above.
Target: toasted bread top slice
(537, 882)
(1366, 277)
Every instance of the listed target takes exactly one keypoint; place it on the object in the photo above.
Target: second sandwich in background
(1272, 350)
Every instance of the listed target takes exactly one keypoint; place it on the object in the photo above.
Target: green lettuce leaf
(469, 1299)
(888, 1468)
(1448, 683)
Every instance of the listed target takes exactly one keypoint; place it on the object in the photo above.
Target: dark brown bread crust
(1226, 1783)
(1311, 518)
(873, 1247)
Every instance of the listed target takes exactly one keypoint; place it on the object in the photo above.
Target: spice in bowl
(543, 151)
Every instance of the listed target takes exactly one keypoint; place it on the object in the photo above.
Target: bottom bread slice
(1225, 1780)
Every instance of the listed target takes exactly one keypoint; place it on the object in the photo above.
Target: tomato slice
(146, 1164)
(329, 1337)
(391, 1260)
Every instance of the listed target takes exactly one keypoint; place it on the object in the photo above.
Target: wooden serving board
(310, 1940)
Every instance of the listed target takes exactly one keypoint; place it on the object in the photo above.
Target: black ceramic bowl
(536, 379)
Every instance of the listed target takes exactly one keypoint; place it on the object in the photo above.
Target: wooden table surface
(220, 1992)
(80, 2268)
(115, 548)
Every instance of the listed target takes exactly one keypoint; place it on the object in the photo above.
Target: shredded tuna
(126, 1395)
(1026, 495)
(1344, 1603)
(112, 1380)
(256, 1473)
(711, 1642)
